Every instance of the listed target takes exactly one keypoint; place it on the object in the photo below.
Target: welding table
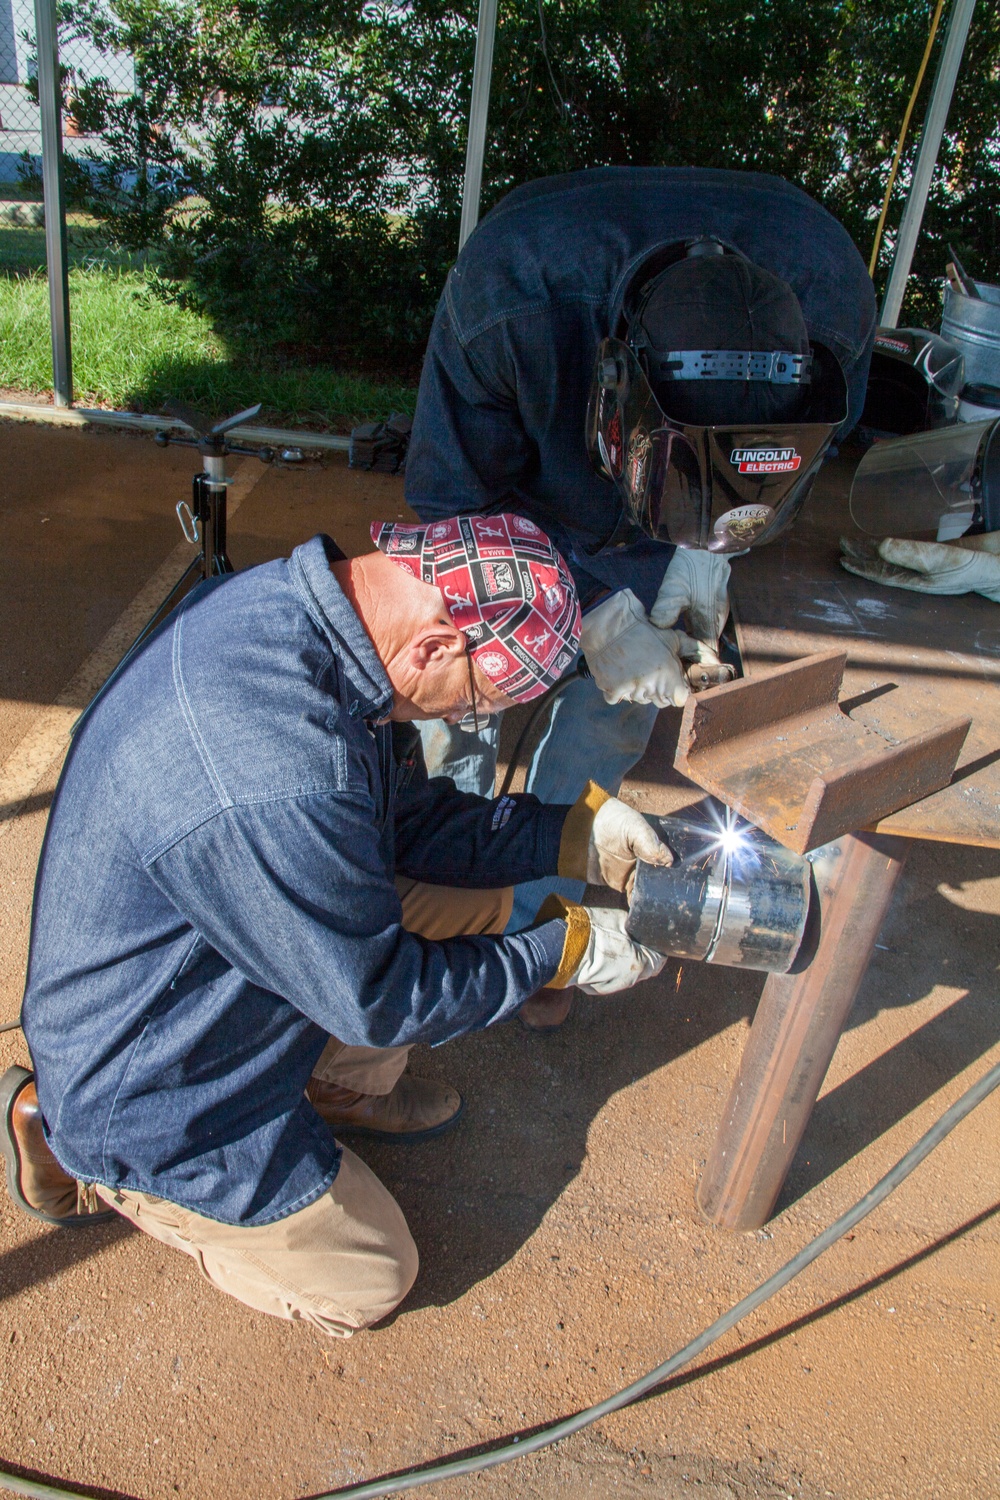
(913, 661)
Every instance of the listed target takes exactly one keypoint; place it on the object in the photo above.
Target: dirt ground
(562, 1254)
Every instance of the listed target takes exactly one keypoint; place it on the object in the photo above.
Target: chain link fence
(73, 109)
(20, 123)
(20, 118)
(42, 68)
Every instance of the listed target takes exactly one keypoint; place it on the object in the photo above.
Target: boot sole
(545, 1030)
(402, 1138)
(11, 1084)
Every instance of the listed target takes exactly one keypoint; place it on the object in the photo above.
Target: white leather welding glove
(598, 955)
(629, 660)
(968, 566)
(602, 838)
(695, 584)
(611, 960)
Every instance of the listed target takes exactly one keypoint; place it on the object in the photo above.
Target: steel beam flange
(778, 749)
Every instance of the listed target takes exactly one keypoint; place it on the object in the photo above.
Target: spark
(680, 971)
(729, 834)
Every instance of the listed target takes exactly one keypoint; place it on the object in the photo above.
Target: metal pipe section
(923, 171)
(732, 896)
(478, 110)
(50, 105)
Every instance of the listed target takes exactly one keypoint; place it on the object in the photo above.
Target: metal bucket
(978, 402)
(972, 324)
(732, 896)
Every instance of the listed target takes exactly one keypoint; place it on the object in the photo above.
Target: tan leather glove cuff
(555, 908)
(575, 840)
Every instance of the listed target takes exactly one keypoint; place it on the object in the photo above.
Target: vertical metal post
(795, 1033)
(478, 111)
(930, 144)
(50, 104)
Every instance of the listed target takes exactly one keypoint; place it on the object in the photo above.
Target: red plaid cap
(505, 585)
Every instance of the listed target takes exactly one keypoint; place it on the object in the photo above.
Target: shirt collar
(309, 564)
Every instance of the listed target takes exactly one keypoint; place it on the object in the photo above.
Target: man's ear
(440, 642)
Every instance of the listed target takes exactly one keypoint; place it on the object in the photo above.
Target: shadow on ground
(293, 394)
(531, 1101)
(857, 1111)
(45, 1255)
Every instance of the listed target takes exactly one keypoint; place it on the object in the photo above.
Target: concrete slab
(562, 1254)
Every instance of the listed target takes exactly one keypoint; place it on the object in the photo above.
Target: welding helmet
(709, 411)
(914, 383)
(931, 486)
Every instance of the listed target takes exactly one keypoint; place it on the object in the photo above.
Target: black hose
(544, 703)
(411, 1479)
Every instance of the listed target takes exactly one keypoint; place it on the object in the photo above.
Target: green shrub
(298, 163)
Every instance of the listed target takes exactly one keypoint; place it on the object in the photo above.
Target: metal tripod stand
(203, 520)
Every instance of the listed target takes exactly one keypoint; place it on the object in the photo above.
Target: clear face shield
(722, 489)
(931, 486)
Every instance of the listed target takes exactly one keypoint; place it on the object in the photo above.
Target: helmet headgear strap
(775, 366)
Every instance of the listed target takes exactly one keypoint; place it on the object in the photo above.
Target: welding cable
(518, 1447)
(545, 702)
(412, 1479)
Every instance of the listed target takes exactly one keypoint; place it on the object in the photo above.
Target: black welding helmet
(914, 383)
(710, 412)
(931, 486)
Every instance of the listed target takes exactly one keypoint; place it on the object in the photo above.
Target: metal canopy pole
(50, 104)
(930, 144)
(478, 110)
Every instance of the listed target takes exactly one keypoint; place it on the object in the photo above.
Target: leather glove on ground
(602, 838)
(695, 584)
(966, 567)
(629, 660)
(598, 955)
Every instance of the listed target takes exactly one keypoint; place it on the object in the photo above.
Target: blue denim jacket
(503, 394)
(215, 895)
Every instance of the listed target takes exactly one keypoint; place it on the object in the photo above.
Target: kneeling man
(251, 903)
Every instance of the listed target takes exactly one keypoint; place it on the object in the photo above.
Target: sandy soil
(562, 1254)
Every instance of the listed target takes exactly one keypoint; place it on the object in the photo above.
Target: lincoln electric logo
(765, 460)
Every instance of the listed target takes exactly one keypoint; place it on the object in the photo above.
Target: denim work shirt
(502, 405)
(215, 895)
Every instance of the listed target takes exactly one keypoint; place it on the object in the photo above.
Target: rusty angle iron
(779, 749)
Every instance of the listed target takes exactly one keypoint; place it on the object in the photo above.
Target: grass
(131, 351)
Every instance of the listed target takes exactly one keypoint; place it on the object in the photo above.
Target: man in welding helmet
(650, 363)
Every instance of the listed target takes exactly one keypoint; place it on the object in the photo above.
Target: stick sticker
(743, 524)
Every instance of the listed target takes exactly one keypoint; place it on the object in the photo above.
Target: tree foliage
(299, 163)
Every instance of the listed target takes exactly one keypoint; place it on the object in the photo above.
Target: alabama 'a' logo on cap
(493, 663)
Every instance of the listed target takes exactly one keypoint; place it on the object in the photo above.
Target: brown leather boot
(546, 1010)
(35, 1180)
(415, 1110)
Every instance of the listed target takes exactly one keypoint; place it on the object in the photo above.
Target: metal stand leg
(794, 1036)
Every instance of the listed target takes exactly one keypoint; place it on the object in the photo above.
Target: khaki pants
(348, 1259)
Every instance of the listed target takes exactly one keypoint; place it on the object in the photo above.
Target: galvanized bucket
(972, 324)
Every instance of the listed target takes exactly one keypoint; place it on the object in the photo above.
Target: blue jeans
(586, 740)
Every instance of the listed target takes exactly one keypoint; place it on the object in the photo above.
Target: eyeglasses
(463, 722)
